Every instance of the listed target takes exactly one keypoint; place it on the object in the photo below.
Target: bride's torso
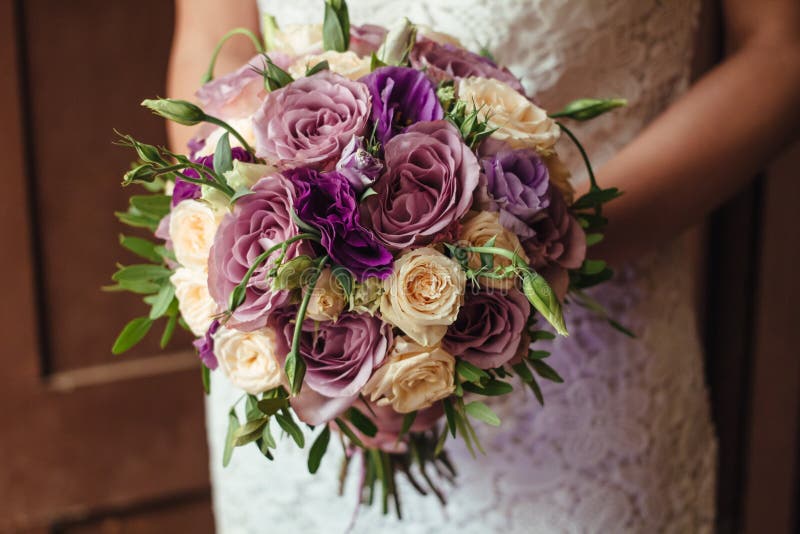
(625, 445)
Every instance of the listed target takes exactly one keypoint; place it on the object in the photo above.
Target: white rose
(327, 299)
(248, 359)
(519, 122)
(192, 226)
(477, 229)
(348, 64)
(413, 377)
(195, 303)
(294, 39)
(423, 295)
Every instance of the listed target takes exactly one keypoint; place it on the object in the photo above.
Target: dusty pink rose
(366, 39)
(259, 221)
(310, 121)
(428, 184)
(489, 327)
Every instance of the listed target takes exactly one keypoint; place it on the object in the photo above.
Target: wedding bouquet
(363, 238)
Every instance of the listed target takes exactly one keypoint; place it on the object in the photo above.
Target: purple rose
(428, 184)
(366, 39)
(558, 243)
(205, 346)
(340, 357)
(359, 166)
(400, 97)
(489, 327)
(186, 190)
(327, 202)
(447, 62)
(515, 183)
(310, 121)
(259, 221)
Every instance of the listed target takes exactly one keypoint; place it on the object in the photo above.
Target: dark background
(95, 443)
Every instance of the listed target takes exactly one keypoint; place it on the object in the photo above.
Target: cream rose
(480, 227)
(348, 64)
(327, 299)
(423, 295)
(413, 378)
(196, 305)
(423, 30)
(294, 39)
(192, 226)
(248, 359)
(519, 122)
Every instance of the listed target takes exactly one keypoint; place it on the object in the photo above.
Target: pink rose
(310, 121)
(428, 184)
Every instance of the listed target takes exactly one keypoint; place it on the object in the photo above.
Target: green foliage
(318, 449)
(336, 26)
(467, 118)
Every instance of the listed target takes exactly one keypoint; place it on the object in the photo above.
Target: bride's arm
(199, 25)
(713, 140)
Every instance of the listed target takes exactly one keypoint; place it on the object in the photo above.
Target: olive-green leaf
(131, 334)
(230, 438)
(318, 449)
(480, 411)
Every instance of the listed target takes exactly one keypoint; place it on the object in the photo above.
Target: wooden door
(89, 442)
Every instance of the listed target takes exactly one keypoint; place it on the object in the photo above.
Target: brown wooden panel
(773, 447)
(192, 515)
(88, 65)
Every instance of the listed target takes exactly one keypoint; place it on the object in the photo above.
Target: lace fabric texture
(626, 444)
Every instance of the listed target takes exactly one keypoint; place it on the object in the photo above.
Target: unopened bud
(179, 111)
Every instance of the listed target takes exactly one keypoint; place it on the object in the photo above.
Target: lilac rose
(516, 184)
(427, 187)
(327, 202)
(186, 190)
(400, 98)
(489, 327)
(366, 38)
(340, 357)
(259, 221)
(558, 243)
(447, 62)
(310, 121)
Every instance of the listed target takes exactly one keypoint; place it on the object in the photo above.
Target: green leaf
(141, 272)
(319, 67)
(274, 76)
(336, 26)
(375, 62)
(205, 374)
(487, 260)
(268, 438)
(137, 220)
(542, 334)
(591, 267)
(141, 247)
(288, 424)
(480, 411)
(537, 391)
(251, 410)
(156, 206)
(230, 438)
(593, 239)
(538, 354)
(241, 192)
(362, 422)
(223, 157)
(345, 279)
(169, 329)
(470, 372)
(131, 334)
(368, 192)
(546, 372)
(588, 108)
(295, 368)
(492, 388)
(272, 406)
(162, 301)
(450, 414)
(347, 431)
(250, 431)
(524, 373)
(596, 198)
(318, 449)
(140, 287)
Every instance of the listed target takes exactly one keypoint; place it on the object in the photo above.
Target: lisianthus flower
(400, 97)
(359, 166)
(447, 62)
(327, 202)
(340, 357)
(428, 184)
(259, 221)
(310, 121)
(516, 184)
(205, 346)
(184, 190)
(489, 327)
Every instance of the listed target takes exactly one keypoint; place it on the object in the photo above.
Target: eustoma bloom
(327, 202)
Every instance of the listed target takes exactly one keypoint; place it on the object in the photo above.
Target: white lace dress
(626, 444)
